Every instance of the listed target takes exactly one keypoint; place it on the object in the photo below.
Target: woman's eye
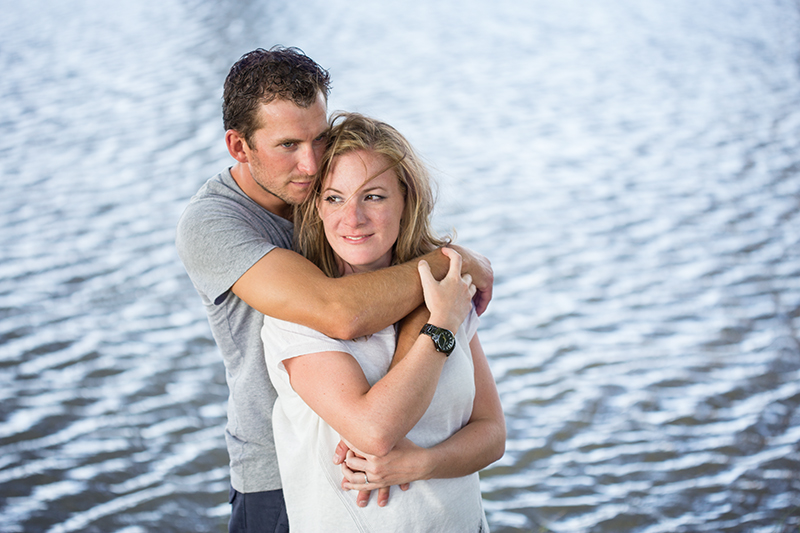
(374, 197)
(331, 199)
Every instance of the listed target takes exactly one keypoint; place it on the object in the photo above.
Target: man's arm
(285, 285)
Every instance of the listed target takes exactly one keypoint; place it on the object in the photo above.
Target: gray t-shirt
(221, 234)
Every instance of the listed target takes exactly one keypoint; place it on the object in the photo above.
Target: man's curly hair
(262, 76)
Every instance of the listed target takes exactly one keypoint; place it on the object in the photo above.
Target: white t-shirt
(305, 443)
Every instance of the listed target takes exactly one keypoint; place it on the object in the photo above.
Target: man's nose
(308, 162)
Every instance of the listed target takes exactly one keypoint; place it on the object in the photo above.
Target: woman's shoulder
(272, 324)
(292, 339)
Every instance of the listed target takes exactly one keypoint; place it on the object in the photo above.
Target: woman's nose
(353, 212)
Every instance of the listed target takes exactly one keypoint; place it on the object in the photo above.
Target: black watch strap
(443, 339)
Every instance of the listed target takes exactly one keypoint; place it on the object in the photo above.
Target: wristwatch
(443, 339)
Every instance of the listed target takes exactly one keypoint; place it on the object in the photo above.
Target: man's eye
(288, 144)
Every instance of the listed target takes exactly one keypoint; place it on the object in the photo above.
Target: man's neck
(270, 202)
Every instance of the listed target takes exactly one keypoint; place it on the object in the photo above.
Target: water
(631, 168)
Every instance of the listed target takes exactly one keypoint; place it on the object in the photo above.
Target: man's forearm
(378, 299)
(285, 285)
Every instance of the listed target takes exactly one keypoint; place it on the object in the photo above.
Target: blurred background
(631, 168)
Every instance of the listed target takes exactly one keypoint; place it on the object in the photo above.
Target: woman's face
(361, 216)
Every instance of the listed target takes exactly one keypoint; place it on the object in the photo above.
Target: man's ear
(236, 146)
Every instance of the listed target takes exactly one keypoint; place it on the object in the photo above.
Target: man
(235, 239)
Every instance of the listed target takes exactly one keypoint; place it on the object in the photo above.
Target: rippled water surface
(632, 168)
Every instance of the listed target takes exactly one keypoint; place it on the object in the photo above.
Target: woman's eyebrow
(364, 189)
(374, 187)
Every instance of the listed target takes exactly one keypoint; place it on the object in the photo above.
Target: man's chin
(296, 196)
(298, 190)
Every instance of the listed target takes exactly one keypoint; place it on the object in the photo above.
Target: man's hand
(482, 275)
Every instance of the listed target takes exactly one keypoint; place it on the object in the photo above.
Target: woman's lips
(356, 238)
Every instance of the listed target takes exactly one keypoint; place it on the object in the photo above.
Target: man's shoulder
(221, 197)
(222, 215)
(218, 188)
(211, 205)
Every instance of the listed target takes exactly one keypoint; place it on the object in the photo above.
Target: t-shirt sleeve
(471, 323)
(284, 340)
(218, 244)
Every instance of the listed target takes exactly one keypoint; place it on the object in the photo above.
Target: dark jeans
(258, 512)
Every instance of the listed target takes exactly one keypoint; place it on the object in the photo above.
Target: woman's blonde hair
(350, 132)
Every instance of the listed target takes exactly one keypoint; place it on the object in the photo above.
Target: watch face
(446, 341)
(443, 339)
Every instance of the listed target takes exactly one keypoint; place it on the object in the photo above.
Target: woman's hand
(482, 275)
(449, 300)
(405, 463)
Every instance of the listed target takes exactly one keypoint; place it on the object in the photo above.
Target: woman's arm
(408, 331)
(480, 268)
(478, 444)
(375, 418)
(483, 440)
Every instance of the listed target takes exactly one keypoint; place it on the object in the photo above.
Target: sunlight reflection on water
(630, 169)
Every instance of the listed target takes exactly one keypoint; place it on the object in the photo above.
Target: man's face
(285, 152)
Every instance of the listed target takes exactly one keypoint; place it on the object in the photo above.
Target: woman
(368, 209)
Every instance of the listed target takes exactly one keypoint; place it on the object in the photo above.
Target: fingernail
(362, 504)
